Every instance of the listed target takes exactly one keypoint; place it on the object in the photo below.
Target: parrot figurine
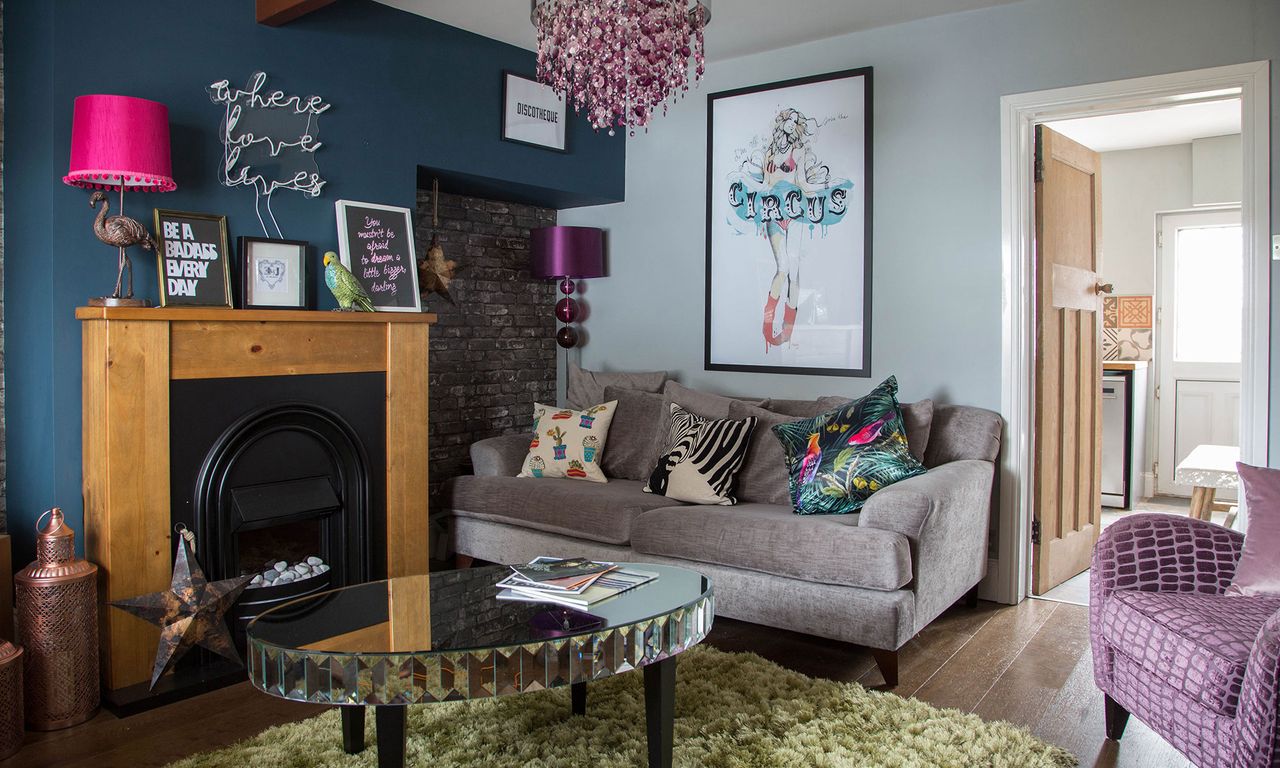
(346, 289)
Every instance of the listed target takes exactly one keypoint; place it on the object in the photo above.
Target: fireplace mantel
(130, 356)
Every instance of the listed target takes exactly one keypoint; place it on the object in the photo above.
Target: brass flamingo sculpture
(122, 232)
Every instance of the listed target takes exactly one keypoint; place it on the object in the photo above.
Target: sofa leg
(462, 562)
(887, 661)
(971, 597)
(1117, 718)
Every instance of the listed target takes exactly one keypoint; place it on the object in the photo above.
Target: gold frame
(169, 214)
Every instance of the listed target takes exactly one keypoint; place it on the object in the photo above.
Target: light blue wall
(937, 273)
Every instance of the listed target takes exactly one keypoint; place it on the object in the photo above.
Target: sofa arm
(502, 455)
(1157, 552)
(956, 489)
(1257, 743)
(946, 515)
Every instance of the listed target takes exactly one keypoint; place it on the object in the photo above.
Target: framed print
(788, 284)
(532, 113)
(273, 273)
(375, 243)
(193, 260)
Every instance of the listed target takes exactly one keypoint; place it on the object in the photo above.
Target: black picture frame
(507, 75)
(169, 252)
(296, 273)
(863, 370)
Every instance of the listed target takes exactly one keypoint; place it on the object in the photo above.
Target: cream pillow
(568, 443)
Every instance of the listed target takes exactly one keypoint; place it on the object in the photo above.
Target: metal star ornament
(435, 272)
(190, 613)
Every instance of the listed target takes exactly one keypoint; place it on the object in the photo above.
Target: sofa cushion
(763, 478)
(962, 432)
(917, 416)
(596, 511)
(1258, 572)
(1197, 643)
(704, 460)
(568, 443)
(837, 459)
(633, 434)
(704, 404)
(769, 539)
(805, 409)
(586, 388)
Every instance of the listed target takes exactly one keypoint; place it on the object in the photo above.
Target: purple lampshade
(574, 252)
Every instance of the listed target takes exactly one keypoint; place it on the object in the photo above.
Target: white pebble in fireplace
(281, 572)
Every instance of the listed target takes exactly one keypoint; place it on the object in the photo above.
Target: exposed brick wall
(494, 353)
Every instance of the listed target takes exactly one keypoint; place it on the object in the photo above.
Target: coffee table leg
(391, 736)
(352, 729)
(578, 693)
(660, 710)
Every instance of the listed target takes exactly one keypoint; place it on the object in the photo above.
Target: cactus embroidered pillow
(568, 443)
(837, 459)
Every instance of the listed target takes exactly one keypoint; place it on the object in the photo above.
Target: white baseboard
(990, 587)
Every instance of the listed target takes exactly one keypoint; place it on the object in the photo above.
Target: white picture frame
(533, 113)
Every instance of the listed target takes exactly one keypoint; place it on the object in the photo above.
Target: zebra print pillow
(701, 458)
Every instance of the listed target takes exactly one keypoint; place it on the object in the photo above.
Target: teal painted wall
(406, 91)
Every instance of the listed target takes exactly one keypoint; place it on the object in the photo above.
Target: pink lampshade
(120, 141)
(574, 252)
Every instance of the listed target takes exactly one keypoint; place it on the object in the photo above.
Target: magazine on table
(575, 585)
(553, 568)
(606, 585)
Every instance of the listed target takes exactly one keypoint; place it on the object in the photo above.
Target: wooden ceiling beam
(275, 13)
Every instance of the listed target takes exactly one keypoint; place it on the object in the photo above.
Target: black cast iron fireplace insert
(272, 467)
(284, 482)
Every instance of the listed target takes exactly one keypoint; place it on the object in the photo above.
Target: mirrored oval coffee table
(446, 637)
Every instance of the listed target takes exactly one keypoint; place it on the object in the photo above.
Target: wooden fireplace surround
(130, 356)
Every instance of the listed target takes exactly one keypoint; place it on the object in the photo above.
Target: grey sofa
(874, 579)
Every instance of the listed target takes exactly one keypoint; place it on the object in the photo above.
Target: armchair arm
(1257, 743)
(946, 515)
(1156, 552)
(501, 455)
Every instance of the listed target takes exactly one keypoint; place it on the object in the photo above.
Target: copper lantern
(57, 609)
(11, 730)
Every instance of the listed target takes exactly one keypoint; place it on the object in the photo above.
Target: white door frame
(1019, 113)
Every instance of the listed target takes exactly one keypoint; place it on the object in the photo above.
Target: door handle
(1107, 288)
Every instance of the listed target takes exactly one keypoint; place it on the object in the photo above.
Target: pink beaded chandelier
(619, 59)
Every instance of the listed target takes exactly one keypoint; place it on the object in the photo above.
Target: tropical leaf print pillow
(568, 443)
(837, 459)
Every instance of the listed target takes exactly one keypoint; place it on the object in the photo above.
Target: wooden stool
(1206, 469)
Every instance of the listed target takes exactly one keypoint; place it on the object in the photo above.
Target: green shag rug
(733, 710)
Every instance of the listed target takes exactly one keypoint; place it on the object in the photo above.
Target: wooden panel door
(1068, 367)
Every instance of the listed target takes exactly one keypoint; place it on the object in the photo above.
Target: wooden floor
(1028, 664)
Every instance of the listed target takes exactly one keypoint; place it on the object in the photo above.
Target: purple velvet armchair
(1199, 667)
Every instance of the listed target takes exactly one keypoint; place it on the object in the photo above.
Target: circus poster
(789, 227)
